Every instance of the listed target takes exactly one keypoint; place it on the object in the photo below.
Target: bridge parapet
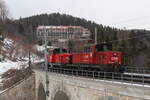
(23, 90)
(77, 88)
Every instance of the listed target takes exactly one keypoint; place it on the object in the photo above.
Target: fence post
(76, 72)
(63, 71)
(143, 79)
(112, 76)
(104, 75)
(121, 77)
(86, 75)
(132, 79)
(93, 74)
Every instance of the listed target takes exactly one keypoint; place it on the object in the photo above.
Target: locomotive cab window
(98, 48)
(87, 49)
(103, 47)
(64, 51)
(60, 50)
(56, 51)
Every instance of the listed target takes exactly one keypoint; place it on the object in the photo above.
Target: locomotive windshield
(87, 49)
(59, 50)
(103, 47)
(64, 51)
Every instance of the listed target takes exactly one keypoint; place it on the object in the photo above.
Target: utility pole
(29, 59)
(68, 40)
(46, 67)
(96, 36)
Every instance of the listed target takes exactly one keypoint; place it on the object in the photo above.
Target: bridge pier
(63, 87)
(41, 92)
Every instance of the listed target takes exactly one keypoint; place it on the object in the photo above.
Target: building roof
(58, 27)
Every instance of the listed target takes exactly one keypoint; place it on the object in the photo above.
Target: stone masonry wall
(78, 88)
(24, 90)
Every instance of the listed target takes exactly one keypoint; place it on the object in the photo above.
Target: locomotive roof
(89, 45)
(59, 48)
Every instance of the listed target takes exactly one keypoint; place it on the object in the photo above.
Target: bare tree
(3, 11)
(3, 17)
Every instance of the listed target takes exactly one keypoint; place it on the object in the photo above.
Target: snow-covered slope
(8, 56)
(6, 65)
(14, 56)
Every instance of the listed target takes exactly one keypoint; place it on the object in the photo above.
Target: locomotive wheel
(119, 69)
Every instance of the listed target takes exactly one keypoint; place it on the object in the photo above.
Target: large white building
(59, 35)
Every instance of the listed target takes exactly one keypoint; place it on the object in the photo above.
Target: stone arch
(41, 92)
(60, 95)
(63, 89)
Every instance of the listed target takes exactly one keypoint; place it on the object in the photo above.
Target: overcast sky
(117, 13)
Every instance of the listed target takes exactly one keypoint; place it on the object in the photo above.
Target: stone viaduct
(63, 87)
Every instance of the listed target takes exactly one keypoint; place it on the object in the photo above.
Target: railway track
(119, 77)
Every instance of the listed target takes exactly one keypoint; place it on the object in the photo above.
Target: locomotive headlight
(50, 57)
(91, 54)
(68, 58)
(114, 54)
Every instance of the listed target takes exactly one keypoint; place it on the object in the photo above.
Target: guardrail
(132, 78)
(142, 70)
(129, 78)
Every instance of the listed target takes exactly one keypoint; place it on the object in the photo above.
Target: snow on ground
(38, 61)
(5, 66)
(8, 64)
(14, 57)
(42, 48)
(8, 41)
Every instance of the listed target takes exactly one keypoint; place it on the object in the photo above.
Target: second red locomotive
(100, 57)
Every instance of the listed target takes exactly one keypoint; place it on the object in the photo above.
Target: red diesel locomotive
(100, 57)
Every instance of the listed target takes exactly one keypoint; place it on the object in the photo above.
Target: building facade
(60, 35)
